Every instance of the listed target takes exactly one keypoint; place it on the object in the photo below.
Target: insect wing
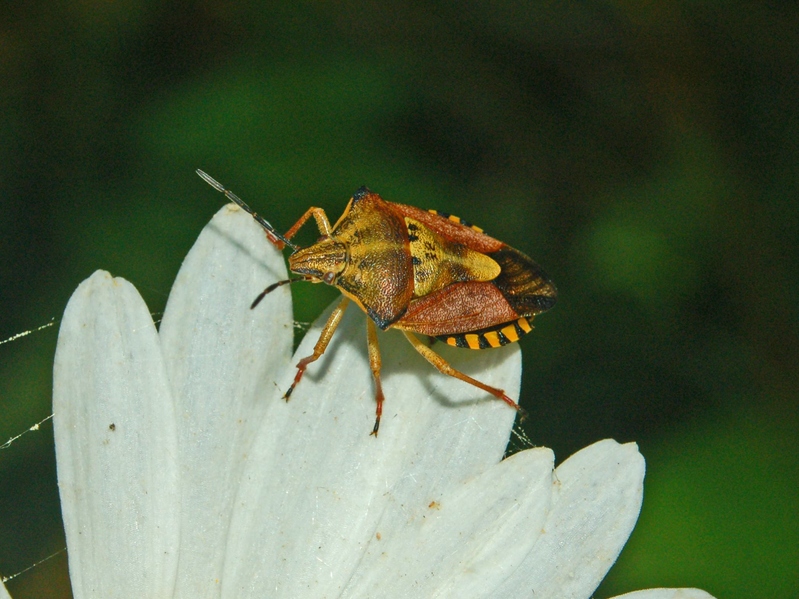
(478, 314)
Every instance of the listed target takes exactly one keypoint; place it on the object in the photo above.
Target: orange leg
(321, 345)
(321, 222)
(443, 367)
(375, 364)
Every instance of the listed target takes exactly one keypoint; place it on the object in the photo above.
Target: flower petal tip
(687, 593)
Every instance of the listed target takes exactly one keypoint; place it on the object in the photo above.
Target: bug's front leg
(321, 221)
(321, 345)
(375, 363)
(443, 367)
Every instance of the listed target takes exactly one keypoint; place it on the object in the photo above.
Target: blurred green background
(644, 153)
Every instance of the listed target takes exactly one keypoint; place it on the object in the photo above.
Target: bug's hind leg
(327, 333)
(443, 367)
(375, 364)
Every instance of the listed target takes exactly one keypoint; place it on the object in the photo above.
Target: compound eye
(328, 277)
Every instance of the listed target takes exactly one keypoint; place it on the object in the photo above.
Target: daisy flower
(183, 473)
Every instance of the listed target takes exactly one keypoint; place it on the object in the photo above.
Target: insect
(418, 271)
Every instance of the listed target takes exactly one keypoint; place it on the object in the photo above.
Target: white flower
(183, 474)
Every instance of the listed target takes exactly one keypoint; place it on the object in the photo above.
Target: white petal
(595, 504)
(666, 594)
(470, 540)
(115, 445)
(319, 488)
(223, 359)
(4, 592)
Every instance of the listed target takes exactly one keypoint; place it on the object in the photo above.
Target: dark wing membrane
(527, 290)
(523, 283)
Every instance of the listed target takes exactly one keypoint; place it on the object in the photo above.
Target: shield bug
(418, 271)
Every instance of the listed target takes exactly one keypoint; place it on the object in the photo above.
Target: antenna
(237, 200)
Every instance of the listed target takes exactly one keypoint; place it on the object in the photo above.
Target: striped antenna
(237, 200)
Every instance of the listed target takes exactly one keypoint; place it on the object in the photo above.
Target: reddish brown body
(427, 273)
(418, 271)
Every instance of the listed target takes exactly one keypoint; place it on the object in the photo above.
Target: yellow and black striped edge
(456, 219)
(491, 337)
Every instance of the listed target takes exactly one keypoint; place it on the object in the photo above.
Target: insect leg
(321, 222)
(321, 345)
(375, 363)
(444, 368)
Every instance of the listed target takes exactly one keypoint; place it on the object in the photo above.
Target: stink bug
(418, 271)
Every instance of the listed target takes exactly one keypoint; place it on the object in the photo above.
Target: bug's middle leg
(375, 363)
(327, 333)
(443, 367)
